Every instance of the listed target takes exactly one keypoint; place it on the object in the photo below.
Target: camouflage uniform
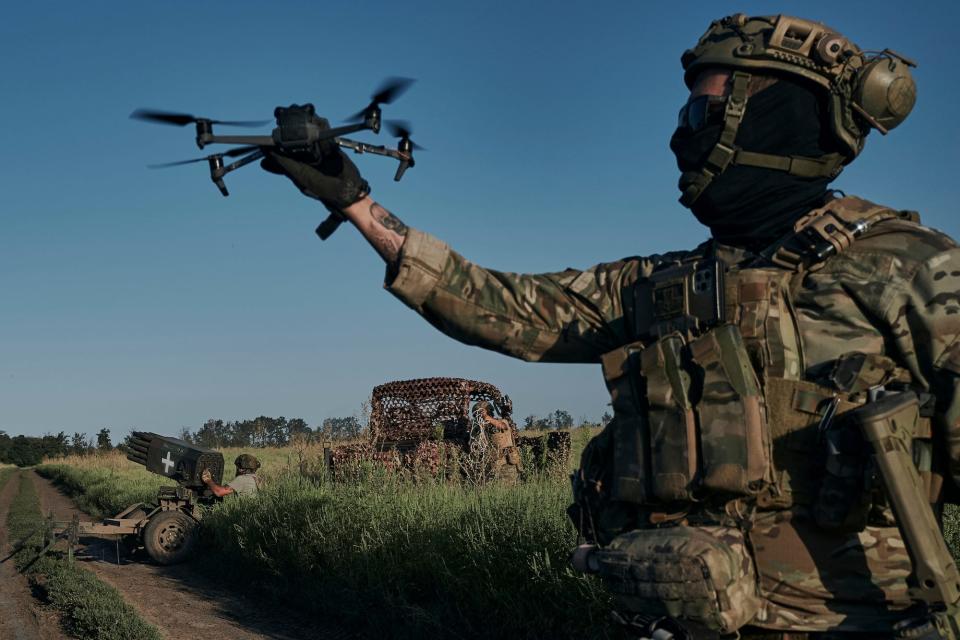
(896, 292)
(245, 484)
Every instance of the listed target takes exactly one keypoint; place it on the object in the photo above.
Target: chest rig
(711, 403)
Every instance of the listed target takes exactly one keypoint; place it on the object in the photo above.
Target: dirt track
(184, 606)
(21, 618)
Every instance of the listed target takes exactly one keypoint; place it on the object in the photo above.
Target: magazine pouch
(734, 439)
(629, 431)
(673, 438)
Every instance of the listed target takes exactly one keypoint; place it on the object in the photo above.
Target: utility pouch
(734, 439)
(845, 496)
(702, 574)
(673, 436)
(630, 432)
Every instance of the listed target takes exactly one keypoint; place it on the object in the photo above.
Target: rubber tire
(169, 537)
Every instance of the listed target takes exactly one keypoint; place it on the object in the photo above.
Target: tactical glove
(333, 180)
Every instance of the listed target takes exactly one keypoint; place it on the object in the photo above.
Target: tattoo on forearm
(387, 235)
(387, 219)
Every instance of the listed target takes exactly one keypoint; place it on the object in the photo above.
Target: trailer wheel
(169, 537)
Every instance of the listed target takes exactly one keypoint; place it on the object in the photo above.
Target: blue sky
(143, 298)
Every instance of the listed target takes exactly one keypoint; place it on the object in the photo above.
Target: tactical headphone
(866, 89)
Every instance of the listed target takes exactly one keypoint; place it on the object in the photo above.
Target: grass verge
(90, 608)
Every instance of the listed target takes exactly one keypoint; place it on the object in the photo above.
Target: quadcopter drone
(299, 133)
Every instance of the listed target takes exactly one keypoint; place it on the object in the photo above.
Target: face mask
(752, 206)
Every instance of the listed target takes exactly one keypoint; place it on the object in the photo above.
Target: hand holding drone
(302, 138)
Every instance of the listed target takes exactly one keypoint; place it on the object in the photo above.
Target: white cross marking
(167, 463)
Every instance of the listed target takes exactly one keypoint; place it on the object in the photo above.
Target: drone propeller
(183, 119)
(401, 129)
(232, 153)
(390, 90)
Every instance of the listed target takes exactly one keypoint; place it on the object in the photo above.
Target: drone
(300, 134)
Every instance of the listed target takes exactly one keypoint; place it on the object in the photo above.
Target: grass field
(428, 557)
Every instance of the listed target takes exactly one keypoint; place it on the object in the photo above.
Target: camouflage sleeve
(569, 316)
(926, 323)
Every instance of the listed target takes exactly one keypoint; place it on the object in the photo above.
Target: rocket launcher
(175, 459)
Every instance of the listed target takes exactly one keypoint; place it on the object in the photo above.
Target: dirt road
(21, 618)
(183, 605)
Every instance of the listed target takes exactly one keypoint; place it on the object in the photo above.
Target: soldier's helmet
(867, 90)
(247, 461)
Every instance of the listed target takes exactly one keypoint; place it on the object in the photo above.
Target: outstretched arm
(569, 316)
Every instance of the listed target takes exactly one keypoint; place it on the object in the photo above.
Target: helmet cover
(247, 461)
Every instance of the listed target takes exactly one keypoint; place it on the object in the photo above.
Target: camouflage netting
(411, 411)
(422, 424)
(429, 457)
(549, 449)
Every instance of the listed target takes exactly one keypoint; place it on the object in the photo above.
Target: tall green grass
(387, 557)
(429, 559)
(91, 609)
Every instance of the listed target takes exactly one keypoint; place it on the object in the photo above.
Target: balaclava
(752, 207)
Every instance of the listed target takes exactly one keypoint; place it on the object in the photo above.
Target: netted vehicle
(435, 425)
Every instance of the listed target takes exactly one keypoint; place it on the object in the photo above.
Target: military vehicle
(167, 529)
(432, 425)
(420, 424)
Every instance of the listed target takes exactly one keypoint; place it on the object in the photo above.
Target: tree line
(265, 431)
(262, 431)
(24, 451)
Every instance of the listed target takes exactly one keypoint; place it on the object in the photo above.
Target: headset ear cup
(885, 92)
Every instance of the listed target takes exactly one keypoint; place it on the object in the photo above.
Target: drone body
(299, 133)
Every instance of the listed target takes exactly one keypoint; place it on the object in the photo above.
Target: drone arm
(245, 160)
(259, 141)
(218, 169)
(405, 157)
(344, 130)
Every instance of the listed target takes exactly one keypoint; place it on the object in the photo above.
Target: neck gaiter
(752, 207)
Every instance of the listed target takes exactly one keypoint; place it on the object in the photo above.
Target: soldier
(719, 494)
(506, 457)
(245, 484)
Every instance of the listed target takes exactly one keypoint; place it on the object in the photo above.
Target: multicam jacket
(895, 291)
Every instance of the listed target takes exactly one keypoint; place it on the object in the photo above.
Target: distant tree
(210, 434)
(103, 440)
(605, 419)
(561, 419)
(298, 428)
(79, 444)
(342, 428)
(24, 451)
